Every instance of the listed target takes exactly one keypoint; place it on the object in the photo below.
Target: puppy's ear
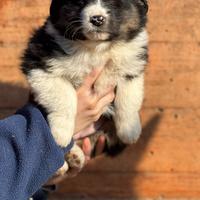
(143, 5)
(55, 7)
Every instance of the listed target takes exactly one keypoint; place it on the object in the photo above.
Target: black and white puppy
(81, 35)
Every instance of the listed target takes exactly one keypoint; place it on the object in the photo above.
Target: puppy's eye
(144, 4)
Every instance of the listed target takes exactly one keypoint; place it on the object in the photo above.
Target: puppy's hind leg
(128, 102)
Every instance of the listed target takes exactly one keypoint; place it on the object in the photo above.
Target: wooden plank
(174, 20)
(24, 8)
(169, 143)
(11, 75)
(170, 69)
(183, 20)
(166, 89)
(168, 57)
(165, 54)
(131, 185)
(54, 197)
(6, 113)
(157, 153)
(12, 95)
(165, 57)
(175, 57)
(162, 89)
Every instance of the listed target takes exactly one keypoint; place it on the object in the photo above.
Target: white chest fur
(82, 57)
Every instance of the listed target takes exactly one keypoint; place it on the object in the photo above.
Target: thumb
(92, 77)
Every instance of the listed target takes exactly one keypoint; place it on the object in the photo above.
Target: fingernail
(87, 146)
(102, 139)
(99, 69)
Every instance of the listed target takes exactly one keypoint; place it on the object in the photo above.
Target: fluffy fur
(79, 36)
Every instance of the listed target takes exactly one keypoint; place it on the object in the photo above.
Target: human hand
(89, 109)
(91, 105)
(87, 150)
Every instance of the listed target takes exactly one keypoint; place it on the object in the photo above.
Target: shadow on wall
(140, 149)
(12, 96)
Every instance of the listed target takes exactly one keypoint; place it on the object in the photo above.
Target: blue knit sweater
(29, 155)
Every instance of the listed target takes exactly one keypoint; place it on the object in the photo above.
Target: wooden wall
(166, 160)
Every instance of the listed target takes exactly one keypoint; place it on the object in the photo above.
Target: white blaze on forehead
(93, 9)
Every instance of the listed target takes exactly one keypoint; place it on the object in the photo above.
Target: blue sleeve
(29, 155)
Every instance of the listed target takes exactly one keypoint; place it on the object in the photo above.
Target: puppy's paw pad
(75, 158)
(75, 161)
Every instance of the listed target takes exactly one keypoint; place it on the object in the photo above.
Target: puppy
(78, 36)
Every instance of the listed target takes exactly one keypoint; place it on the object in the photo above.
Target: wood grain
(6, 113)
(135, 185)
(173, 21)
(166, 145)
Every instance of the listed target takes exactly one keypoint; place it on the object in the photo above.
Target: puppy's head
(98, 20)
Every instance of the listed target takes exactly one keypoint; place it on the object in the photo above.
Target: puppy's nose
(97, 20)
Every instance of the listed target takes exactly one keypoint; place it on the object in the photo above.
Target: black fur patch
(40, 47)
(130, 77)
(144, 55)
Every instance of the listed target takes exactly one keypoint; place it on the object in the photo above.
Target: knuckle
(95, 112)
(91, 104)
(96, 118)
(112, 96)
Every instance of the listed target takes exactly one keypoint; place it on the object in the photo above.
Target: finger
(106, 100)
(96, 113)
(100, 145)
(110, 89)
(92, 77)
(106, 97)
(87, 148)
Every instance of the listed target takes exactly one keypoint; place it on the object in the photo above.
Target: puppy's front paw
(61, 129)
(76, 160)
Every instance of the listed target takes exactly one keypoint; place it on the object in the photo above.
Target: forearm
(29, 155)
